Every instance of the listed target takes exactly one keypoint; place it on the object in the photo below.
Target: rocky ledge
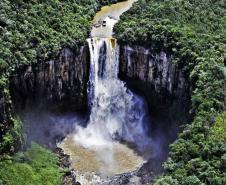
(65, 163)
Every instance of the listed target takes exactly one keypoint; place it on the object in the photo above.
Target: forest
(192, 31)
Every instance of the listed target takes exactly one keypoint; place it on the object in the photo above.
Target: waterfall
(116, 113)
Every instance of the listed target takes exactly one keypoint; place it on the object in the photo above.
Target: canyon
(104, 99)
(64, 79)
(112, 92)
(60, 86)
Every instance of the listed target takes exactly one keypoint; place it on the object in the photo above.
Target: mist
(48, 128)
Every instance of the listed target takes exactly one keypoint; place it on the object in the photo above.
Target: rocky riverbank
(65, 163)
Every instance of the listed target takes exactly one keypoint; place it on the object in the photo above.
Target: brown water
(96, 164)
(114, 10)
(110, 15)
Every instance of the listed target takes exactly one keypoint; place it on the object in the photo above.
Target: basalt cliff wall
(60, 84)
(57, 83)
(156, 77)
(63, 80)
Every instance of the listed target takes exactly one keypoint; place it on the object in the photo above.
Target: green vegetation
(36, 166)
(32, 30)
(193, 31)
(205, 155)
(13, 138)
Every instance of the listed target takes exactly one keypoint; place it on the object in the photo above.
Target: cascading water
(116, 113)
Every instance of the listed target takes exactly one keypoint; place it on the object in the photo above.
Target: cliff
(62, 81)
(155, 76)
(57, 83)
(60, 84)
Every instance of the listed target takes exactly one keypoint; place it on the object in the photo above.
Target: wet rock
(64, 159)
(119, 179)
(132, 178)
(70, 178)
(65, 163)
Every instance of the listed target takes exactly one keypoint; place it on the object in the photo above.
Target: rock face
(69, 177)
(155, 76)
(155, 69)
(60, 82)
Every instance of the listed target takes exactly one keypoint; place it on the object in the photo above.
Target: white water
(116, 113)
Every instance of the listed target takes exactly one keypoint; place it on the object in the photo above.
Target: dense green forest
(35, 166)
(193, 31)
(32, 30)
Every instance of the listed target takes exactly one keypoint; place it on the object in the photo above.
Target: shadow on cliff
(48, 128)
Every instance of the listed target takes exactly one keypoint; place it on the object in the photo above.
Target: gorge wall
(163, 84)
(155, 69)
(57, 83)
(64, 79)
(60, 84)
